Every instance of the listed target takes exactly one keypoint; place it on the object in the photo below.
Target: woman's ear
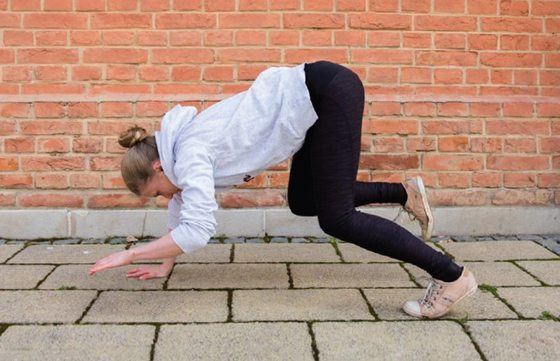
(156, 165)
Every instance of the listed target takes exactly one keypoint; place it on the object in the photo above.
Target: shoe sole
(427, 209)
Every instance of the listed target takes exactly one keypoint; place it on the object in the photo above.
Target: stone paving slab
(22, 276)
(65, 253)
(497, 251)
(77, 342)
(43, 306)
(387, 305)
(265, 305)
(278, 252)
(234, 341)
(352, 253)
(489, 273)
(517, 340)
(212, 253)
(154, 306)
(392, 341)
(533, 301)
(546, 271)
(349, 275)
(208, 276)
(112, 279)
(8, 250)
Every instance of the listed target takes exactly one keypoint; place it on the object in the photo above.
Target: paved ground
(245, 300)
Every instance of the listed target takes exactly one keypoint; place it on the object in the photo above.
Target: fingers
(140, 273)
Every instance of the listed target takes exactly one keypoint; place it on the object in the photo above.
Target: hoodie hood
(171, 128)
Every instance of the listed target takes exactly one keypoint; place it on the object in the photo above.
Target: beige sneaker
(441, 296)
(417, 205)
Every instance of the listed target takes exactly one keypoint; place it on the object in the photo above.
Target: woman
(313, 112)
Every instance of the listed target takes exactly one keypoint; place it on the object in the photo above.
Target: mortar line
(370, 307)
(471, 338)
(153, 348)
(45, 278)
(79, 320)
(314, 348)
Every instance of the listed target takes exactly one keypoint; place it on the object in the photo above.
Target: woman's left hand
(117, 259)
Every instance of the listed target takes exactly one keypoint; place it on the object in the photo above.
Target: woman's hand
(117, 259)
(147, 272)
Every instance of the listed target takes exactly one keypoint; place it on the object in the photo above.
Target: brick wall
(465, 93)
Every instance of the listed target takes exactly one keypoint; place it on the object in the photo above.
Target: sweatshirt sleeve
(173, 211)
(195, 177)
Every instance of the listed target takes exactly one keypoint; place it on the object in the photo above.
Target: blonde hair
(136, 165)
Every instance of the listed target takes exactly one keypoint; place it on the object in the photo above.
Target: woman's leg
(334, 150)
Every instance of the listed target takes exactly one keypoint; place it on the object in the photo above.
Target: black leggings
(323, 176)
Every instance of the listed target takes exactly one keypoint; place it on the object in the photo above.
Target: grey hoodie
(228, 143)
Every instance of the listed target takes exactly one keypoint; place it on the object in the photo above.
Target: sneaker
(417, 205)
(441, 296)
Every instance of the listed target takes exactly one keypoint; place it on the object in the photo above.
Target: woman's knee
(301, 209)
(335, 226)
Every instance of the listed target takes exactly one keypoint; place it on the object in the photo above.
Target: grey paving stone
(353, 253)
(77, 342)
(154, 306)
(489, 273)
(517, 340)
(229, 276)
(349, 275)
(43, 306)
(22, 276)
(235, 240)
(67, 241)
(285, 252)
(264, 305)
(493, 251)
(234, 341)
(391, 341)
(546, 271)
(92, 241)
(59, 254)
(212, 253)
(111, 279)
(387, 305)
(8, 250)
(533, 301)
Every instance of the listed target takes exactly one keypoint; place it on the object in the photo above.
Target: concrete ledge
(61, 223)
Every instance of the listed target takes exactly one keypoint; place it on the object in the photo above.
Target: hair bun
(132, 136)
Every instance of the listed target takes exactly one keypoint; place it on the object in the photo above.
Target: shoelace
(428, 298)
(411, 215)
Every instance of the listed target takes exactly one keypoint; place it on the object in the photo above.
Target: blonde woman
(312, 112)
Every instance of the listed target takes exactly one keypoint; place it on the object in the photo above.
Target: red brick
(218, 73)
(445, 23)
(50, 73)
(545, 8)
(422, 109)
(120, 88)
(90, 5)
(509, 24)
(382, 56)
(115, 55)
(552, 60)
(113, 181)
(520, 180)
(515, 8)
(552, 25)
(120, 21)
(17, 73)
(446, 58)
(450, 41)
(219, 5)
(19, 145)
(211, 38)
(180, 56)
(542, 42)
(292, 38)
(8, 163)
(51, 38)
(49, 110)
(152, 38)
(482, 42)
(55, 21)
(548, 180)
(7, 200)
(501, 76)
(86, 73)
(486, 145)
(18, 37)
(291, 4)
(455, 180)
(525, 77)
(53, 145)
(518, 109)
(520, 145)
(154, 5)
(254, 5)
(422, 144)
(453, 109)
(42, 163)
(348, 5)
(47, 56)
(16, 181)
(122, 5)
(485, 109)
(449, 6)
(517, 162)
(82, 110)
(389, 162)
(417, 40)
(521, 198)
(6, 56)
(386, 108)
(58, 5)
(416, 6)
(85, 38)
(9, 20)
(87, 145)
(375, 21)
(453, 144)
(482, 7)
(416, 75)
(25, 5)
(388, 126)
(14, 110)
(514, 42)
(517, 127)
(85, 180)
(115, 109)
(258, 198)
(487, 179)
(194, 89)
(548, 110)
(51, 181)
(290, 20)
(118, 37)
(105, 163)
(151, 109)
(521, 60)
(384, 6)
(309, 38)
(50, 127)
(185, 21)
(549, 145)
(121, 72)
(7, 127)
(387, 145)
(452, 162)
(51, 200)
(448, 76)
(383, 75)
(452, 126)
(115, 200)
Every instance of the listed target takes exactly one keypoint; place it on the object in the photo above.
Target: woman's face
(158, 184)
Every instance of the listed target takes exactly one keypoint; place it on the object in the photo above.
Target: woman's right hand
(147, 272)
